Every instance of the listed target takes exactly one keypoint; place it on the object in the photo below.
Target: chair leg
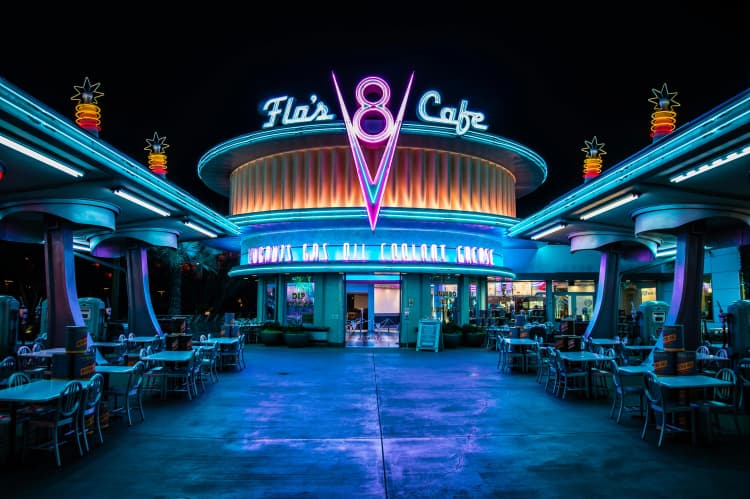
(77, 434)
(83, 432)
(663, 425)
(97, 416)
(140, 406)
(127, 410)
(57, 446)
(645, 424)
(612, 409)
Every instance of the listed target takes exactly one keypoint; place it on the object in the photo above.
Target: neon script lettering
(463, 119)
(294, 115)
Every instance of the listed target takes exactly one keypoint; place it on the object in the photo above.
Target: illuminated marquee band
(383, 252)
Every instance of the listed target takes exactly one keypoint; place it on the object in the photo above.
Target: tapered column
(62, 296)
(685, 307)
(602, 324)
(141, 317)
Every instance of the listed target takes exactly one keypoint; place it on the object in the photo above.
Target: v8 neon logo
(373, 187)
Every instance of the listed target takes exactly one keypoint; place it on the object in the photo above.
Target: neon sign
(373, 188)
(385, 252)
(463, 119)
(373, 95)
(294, 115)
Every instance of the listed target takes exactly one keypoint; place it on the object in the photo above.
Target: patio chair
(128, 396)
(91, 410)
(61, 424)
(667, 409)
(30, 365)
(571, 378)
(624, 394)
(725, 400)
(743, 378)
(543, 363)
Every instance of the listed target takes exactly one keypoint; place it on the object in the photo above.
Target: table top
(40, 391)
(109, 344)
(171, 356)
(581, 356)
(692, 381)
(144, 339)
(639, 347)
(519, 341)
(634, 370)
(603, 341)
(46, 353)
(223, 340)
(711, 357)
(110, 369)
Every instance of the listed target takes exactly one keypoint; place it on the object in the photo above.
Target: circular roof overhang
(216, 166)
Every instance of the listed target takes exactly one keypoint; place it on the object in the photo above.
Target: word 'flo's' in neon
(373, 188)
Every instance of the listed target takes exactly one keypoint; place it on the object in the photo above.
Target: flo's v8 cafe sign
(373, 97)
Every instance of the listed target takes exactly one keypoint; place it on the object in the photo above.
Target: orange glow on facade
(325, 178)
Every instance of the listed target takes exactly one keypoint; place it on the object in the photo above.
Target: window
(300, 298)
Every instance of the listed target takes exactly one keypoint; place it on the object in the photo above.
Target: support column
(685, 307)
(141, 317)
(62, 296)
(603, 323)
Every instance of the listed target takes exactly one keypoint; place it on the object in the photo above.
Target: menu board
(428, 336)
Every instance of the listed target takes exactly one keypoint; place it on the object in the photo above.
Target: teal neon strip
(690, 136)
(423, 268)
(317, 214)
(38, 117)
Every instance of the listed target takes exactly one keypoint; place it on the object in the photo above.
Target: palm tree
(192, 258)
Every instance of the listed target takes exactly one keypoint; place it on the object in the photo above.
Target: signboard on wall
(428, 336)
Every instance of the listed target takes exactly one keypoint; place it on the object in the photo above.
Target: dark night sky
(548, 83)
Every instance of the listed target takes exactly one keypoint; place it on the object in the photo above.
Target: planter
(452, 340)
(295, 340)
(270, 337)
(475, 339)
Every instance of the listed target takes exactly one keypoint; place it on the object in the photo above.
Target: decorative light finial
(592, 165)
(88, 114)
(157, 158)
(664, 118)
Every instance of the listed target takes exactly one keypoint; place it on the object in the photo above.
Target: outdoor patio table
(36, 392)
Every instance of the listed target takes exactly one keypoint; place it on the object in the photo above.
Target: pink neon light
(373, 188)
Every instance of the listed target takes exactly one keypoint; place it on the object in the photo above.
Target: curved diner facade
(366, 232)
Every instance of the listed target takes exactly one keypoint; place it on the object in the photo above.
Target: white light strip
(39, 157)
(549, 231)
(610, 206)
(141, 202)
(666, 252)
(200, 229)
(710, 166)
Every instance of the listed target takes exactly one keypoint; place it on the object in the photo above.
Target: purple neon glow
(373, 189)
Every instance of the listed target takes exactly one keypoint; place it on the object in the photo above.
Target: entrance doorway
(373, 310)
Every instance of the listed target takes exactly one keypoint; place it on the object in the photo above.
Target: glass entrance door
(373, 310)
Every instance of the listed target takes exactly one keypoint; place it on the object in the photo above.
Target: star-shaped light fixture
(664, 117)
(87, 93)
(592, 164)
(157, 159)
(88, 114)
